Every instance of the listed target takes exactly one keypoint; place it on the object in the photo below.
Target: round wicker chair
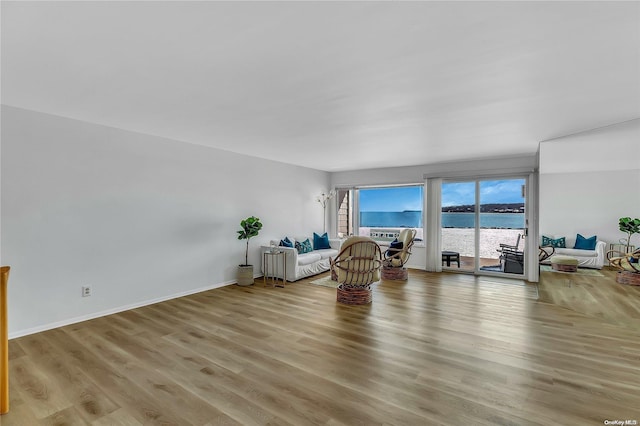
(628, 265)
(398, 255)
(357, 266)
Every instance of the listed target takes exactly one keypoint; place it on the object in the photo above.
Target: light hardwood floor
(445, 348)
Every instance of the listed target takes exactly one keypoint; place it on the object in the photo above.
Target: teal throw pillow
(321, 241)
(554, 242)
(304, 247)
(583, 243)
(286, 242)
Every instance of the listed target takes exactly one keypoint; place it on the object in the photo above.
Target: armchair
(510, 247)
(512, 260)
(628, 265)
(357, 266)
(398, 255)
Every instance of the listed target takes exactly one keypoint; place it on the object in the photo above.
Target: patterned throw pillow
(557, 242)
(286, 242)
(304, 247)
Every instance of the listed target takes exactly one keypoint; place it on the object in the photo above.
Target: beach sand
(461, 240)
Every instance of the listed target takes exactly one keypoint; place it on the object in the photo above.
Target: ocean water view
(487, 220)
(413, 219)
(405, 219)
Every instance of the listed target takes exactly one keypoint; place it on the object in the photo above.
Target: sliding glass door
(483, 225)
(459, 225)
(502, 225)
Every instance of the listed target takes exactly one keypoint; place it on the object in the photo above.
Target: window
(381, 212)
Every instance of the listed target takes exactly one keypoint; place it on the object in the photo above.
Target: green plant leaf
(251, 227)
(629, 226)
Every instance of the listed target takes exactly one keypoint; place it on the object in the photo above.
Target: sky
(491, 191)
(395, 199)
(453, 194)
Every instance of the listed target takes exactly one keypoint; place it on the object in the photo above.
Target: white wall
(589, 180)
(137, 217)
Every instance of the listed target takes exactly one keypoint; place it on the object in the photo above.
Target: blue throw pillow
(304, 247)
(395, 244)
(557, 243)
(321, 241)
(583, 243)
(286, 242)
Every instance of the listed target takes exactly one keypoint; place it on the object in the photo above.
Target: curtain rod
(480, 173)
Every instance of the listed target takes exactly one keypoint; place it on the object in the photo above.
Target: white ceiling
(330, 85)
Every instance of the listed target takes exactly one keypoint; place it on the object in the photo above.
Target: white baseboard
(45, 327)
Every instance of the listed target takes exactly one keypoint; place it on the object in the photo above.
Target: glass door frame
(525, 231)
(468, 180)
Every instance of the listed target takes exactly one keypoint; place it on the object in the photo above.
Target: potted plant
(251, 226)
(630, 227)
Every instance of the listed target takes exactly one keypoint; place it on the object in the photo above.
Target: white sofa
(302, 265)
(586, 258)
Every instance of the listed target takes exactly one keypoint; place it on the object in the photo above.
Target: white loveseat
(301, 265)
(586, 258)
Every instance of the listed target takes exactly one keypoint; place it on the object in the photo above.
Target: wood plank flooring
(600, 298)
(441, 349)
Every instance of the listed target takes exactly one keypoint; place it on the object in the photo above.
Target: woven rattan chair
(357, 266)
(397, 255)
(628, 265)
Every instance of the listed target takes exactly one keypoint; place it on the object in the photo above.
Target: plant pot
(245, 275)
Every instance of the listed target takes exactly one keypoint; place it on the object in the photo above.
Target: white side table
(270, 260)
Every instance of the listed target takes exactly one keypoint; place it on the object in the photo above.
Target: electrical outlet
(86, 291)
